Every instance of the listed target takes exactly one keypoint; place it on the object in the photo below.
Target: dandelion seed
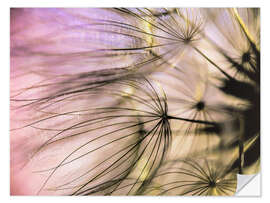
(137, 101)
(196, 177)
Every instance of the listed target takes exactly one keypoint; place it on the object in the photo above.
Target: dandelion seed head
(212, 183)
(246, 57)
(200, 106)
(121, 144)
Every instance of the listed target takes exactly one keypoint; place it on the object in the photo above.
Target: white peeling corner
(248, 185)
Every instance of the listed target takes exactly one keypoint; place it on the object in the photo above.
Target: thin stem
(212, 62)
(191, 120)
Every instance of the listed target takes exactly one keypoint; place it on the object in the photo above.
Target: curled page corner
(248, 185)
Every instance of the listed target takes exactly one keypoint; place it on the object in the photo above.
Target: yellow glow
(128, 92)
(148, 29)
(143, 169)
(242, 25)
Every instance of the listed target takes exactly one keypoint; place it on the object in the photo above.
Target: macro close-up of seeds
(133, 101)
